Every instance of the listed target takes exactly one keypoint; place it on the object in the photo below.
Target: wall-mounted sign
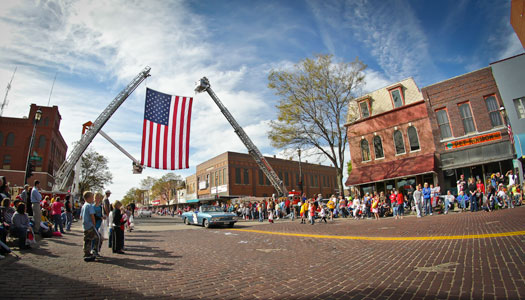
(203, 185)
(219, 189)
(473, 140)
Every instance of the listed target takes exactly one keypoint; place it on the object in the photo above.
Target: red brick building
(468, 131)
(391, 143)
(234, 174)
(49, 146)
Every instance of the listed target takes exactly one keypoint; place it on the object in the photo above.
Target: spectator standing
(99, 218)
(56, 213)
(106, 203)
(69, 212)
(36, 197)
(472, 191)
(118, 229)
(20, 222)
(418, 200)
(480, 193)
(87, 214)
(461, 184)
(375, 208)
(26, 198)
(311, 209)
(427, 199)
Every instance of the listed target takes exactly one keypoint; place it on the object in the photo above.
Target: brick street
(198, 263)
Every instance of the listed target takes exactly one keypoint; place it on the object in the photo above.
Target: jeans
(261, 216)
(69, 220)
(509, 202)
(401, 210)
(447, 203)
(428, 206)
(396, 210)
(292, 214)
(312, 220)
(90, 236)
(110, 240)
(57, 219)
(21, 234)
(473, 203)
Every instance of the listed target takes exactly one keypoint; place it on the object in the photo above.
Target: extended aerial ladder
(204, 86)
(61, 176)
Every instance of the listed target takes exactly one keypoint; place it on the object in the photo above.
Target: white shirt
(512, 179)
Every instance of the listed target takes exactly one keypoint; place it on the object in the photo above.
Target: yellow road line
(380, 238)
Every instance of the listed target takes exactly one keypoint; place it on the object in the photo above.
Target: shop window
(378, 147)
(466, 116)
(399, 142)
(364, 107)
(444, 124)
(238, 176)
(246, 177)
(520, 107)
(493, 108)
(10, 139)
(365, 150)
(397, 97)
(413, 138)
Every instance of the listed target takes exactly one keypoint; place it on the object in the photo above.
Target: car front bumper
(222, 222)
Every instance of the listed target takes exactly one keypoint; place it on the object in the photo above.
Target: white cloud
(512, 46)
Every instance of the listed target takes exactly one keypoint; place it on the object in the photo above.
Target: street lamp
(503, 113)
(29, 171)
(300, 172)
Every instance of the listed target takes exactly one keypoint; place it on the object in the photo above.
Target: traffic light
(30, 169)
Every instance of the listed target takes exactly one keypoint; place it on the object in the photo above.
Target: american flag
(166, 131)
(511, 135)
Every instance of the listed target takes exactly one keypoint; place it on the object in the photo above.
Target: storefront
(478, 162)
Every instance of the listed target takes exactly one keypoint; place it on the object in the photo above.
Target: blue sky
(97, 47)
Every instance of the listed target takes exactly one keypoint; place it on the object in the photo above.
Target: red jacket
(400, 198)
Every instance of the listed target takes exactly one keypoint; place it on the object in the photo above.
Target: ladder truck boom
(67, 166)
(204, 86)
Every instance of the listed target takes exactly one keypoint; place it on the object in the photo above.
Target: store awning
(193, 201)
(410, 166)
(519, 145)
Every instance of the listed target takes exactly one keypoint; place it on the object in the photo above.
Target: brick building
(469, 133)
(49, 147)
(391, 144)
(234, 174)
(517, 19)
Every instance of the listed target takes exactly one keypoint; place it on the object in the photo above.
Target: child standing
(87, 214)
(311, 209)
(375, 209)
(118, 229)
(323, 214)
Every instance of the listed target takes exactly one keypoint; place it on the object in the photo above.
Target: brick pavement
(225, 264)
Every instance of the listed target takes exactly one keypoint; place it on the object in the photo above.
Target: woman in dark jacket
(118, 229)
(472, 191)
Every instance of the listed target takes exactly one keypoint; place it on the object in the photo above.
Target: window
(444, 125)
(10, 139)
(7, 162)
(397, 98)
(220, 177)
(1, 138)
(378, 147)
(365, 150)
(399, 142)
(466, 117)
(316, 180)
(492, 107)
(286, 181)
(246, 177)
(238, 176)
(518, 103)
(224, 176)
(261, 178)
(364, 106)
(413, 138)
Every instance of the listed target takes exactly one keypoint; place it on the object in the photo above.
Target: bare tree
(316, 102)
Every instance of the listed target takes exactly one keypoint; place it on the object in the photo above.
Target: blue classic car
(208, 215)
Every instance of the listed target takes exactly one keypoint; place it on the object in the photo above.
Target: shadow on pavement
(128, 263)
(59, 287)
(149, 251)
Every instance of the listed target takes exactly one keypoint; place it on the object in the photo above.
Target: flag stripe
(165, 149)
(173, 138)
(143, 141)
(188, 123)
(150, 143)
(157, 153)
(181, 131)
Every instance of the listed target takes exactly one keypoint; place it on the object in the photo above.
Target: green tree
(316, 102)
(165, 186)
(132, 196)
(94, 172)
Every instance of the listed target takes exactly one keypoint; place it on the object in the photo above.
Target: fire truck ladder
(63, 173)
(204, 86)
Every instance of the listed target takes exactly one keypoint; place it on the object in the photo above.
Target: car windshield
(211, 209)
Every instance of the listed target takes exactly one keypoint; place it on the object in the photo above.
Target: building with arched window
(48, 152)
(394, 120)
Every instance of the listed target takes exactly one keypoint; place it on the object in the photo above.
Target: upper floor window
(365, 150)
(364, 107)
(443, 123)
(520, 107)
(10, 139)
(286, 180)
(7, 159)
(378, 147)
(261, 178)
(1, 138)
(413, 138)
(397, 97)
(466, 116)
(238, 176)
(492, 107)
(42, 142)
(399, 142)
(246, 176)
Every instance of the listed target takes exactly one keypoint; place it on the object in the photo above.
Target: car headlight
(235, 218)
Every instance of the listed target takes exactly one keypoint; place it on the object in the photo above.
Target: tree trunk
(340, 181)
